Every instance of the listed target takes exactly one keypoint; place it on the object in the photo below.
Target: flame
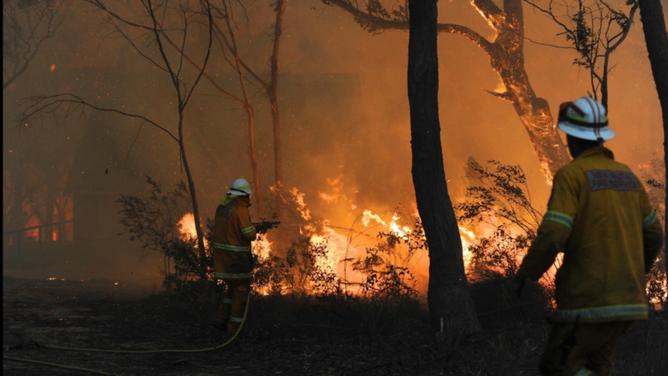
(33, 233)
(262, 247)
(468, 237)
(334, 195)
(187, 229)
(500, 87)
(393, 227)
(368, 215)
(298, 197)
(657, 301)
(345, 243)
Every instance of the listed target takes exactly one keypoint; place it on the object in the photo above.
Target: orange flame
(187, 229)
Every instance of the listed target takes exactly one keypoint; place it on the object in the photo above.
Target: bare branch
(207, 55)
(135, 47)
(183, 42)
(491, 13)
(24, 35)
(548, 44)
(374, 22)
(175, 79)
(51, 103)
(594, 32)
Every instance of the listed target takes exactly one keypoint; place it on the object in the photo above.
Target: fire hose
(265, 225)
(127, 351)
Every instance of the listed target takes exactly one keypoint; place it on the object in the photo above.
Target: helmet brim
(237, 193)
(585, 133)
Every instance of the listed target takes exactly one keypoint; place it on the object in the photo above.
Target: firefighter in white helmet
(233, 232)
(600, 217)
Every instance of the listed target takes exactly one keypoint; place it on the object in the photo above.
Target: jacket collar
(597, 151)
(228, 199)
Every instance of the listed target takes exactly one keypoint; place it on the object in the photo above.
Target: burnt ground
(284, 335)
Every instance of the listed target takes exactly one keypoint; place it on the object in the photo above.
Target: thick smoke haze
(344, 108)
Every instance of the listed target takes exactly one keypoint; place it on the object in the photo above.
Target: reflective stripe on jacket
(599, 215)
(232, 234)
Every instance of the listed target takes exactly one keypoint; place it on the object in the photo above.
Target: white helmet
(239, 187)
(586, 119)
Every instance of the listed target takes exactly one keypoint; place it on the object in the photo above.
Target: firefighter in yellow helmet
(599, 215)
(233, 232)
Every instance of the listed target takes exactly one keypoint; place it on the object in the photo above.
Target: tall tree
(227, 41)
(506, 56)
(654, 27)
(269, 86)
(169, 63)
(450, 304)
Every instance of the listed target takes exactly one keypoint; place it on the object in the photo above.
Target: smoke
(344, 110)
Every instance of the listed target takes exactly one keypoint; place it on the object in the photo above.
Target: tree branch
(206, 56)
(494, 16)
(49, 103)
(100, 5)
(373, 22)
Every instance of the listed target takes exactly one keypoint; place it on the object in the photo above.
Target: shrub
(152, 221)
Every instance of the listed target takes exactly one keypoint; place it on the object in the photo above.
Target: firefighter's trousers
(581, 348)
(234, 303)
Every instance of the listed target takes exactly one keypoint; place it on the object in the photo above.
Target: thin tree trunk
(450, 305)
(272, 94)
(250, 117)
(654, 27)
(257, 192)
(193, 198)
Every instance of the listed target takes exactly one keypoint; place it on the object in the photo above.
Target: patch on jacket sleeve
(617, 180)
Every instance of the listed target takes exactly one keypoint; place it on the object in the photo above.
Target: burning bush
(386, 276)
(316, 260)
(299, 271)
(652, 172)
(500, 206)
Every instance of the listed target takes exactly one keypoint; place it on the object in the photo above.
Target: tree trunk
(257, 192)
(507, 59)
(193, 199)
(272, 93)
(450, 305)
(248, 108)
(506, 53)
(654, 27)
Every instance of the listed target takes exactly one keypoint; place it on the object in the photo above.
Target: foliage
(385, 275)
(653, 174)
(501, 201)
(298, 271)
(153, 221)
(499, 252)
(305, 267)
(594, 29)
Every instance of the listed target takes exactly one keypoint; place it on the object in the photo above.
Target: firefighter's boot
(240, 290)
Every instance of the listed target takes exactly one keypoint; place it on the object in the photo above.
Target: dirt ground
(284, 335)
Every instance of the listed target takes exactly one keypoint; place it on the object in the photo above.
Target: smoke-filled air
(339, 186)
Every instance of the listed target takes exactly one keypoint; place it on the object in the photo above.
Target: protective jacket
(233, 232)
(599, 215)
